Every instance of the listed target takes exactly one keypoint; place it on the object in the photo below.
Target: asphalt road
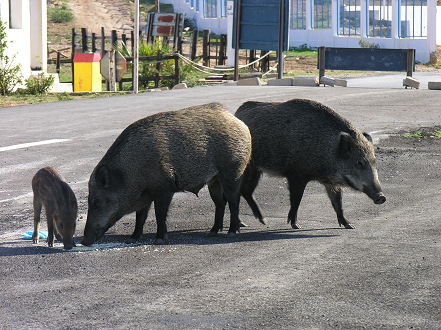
(383, 274)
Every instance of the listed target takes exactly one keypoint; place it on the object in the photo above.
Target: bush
(60, 15)
(10, 74)
(188, 74)
(366, 44)
(39, 84)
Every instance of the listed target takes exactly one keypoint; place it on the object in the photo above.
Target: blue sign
(260, 24)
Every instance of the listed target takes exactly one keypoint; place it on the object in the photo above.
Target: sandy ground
(110, 14)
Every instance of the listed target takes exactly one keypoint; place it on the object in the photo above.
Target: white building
(26, 29)
(339, 23)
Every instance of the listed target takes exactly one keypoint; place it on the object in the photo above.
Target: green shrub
(10, 74)
(187, 73)
(39, 84)
(366, 44)
(60, 15)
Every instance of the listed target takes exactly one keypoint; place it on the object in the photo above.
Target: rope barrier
(227, 69)
(197, 66)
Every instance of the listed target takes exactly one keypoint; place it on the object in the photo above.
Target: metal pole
(136, 48)
(281, 39)
(237, 43)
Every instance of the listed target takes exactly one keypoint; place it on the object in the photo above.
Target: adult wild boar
(52, 191)
(166, 153)
(304, 140)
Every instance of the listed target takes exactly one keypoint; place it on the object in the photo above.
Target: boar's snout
(375, 194)
(380, 199)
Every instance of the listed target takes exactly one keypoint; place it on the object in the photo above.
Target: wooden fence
(211, 49)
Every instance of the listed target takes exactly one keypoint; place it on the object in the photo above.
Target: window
(298, 14)
(349, 17)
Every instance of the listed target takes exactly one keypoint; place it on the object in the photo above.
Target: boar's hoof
(348, 225)
(241, 224)
(262, 221)
(160, 241)
(294, 225)
(212, 233)
(232, 234)
(131, 240)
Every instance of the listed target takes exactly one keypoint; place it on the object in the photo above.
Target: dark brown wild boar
(304, 140)
(52, 191)
(165, 153)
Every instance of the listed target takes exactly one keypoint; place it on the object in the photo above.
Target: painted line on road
(32, 144)
(27, 195)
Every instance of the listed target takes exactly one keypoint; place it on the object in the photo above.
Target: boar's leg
(335, 195)
(141, 216)
(250, 180)
(57, 234)
(296, 188)
(162, 204)
(217, 195)
(231, 189)
(50, 226)
(37, 212)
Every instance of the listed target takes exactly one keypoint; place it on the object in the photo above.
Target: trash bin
(87, 76)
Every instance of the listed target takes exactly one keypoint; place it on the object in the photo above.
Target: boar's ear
(345, 145)
(368, 136)
(102, 177)
(108, 178)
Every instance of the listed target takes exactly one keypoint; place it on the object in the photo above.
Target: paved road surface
(383, 274)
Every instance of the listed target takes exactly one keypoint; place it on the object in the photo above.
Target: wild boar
(165, 153)
(52, 191)
(304, 140)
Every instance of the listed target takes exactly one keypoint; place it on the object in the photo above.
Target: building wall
(26, 33)
(330, 37)
(38, 34)
(438, 25)
(217, 25)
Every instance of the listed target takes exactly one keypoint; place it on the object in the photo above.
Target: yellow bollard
(87, 76)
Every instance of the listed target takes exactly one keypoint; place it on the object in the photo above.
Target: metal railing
(413, 18)
(379, 23)
(210, 8)
(349, 17)
(298, 15)
(321, 14)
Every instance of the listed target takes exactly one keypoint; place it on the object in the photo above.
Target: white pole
(136, 48)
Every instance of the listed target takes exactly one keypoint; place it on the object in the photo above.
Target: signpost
(260, 25)
(113, 67)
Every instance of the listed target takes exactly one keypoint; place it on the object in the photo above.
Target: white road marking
(27, 195)
(32, 144)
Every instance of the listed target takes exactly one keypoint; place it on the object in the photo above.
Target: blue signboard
(261, 24)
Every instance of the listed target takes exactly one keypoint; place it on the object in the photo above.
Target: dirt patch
(110, 14)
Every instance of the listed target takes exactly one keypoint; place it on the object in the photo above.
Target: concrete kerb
(411, 82)
(296, 81)
(434, 85)
(255, 81)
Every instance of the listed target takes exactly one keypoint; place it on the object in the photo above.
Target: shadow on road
(183, 237)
